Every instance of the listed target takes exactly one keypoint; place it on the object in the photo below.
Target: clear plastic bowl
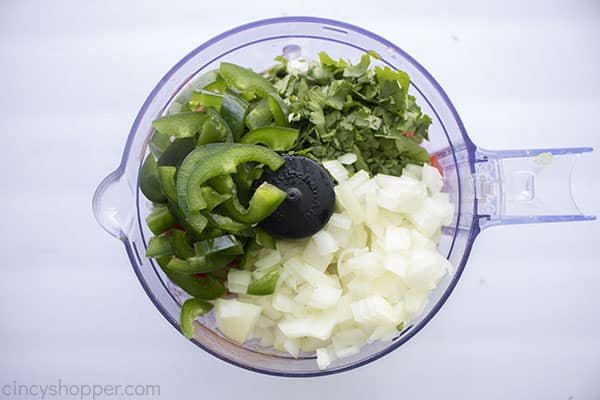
(487, 188)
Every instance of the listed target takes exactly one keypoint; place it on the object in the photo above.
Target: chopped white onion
(324, 357)
(272, 258)
(432, 178)
(348, 158)
(325, 243)
(339, 221)
(396, 238)
(372, 267)
(336, 169)
(236, 319)
(238, 280)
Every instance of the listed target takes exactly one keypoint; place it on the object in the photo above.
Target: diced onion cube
(272, 258)
(358, 179)
(348, 158)
(432, 178)
(318, 325)
(325, 243)
(324, 357)
(238, 280)
(324, 297)
(292, 346)
(396, 238)
(339, 221)
(236, 319)
(336, 169)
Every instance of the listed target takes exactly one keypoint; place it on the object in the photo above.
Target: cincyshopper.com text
(63, 390)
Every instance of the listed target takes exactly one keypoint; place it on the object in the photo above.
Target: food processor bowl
(486, 187)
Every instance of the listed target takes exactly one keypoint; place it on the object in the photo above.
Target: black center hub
(310, 198)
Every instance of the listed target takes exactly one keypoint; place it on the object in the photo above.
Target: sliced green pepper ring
(205, 80)
(233, 110)
(180, 125)
(245, 80)
(246, 174)
(229, 225)
(181, 247)
(176, 152)
(202, 287)
(212, 197)
(167, 180)
(224, 244)
(265, 285)
(224, 159)
(218, 86)
(278, 109)
(259, 116)
(195, 264)
(149, 181)
(187, 167)
(206, 98)
(159, 246)
(274, 137)
(192, 309)
(263, 202)
(159, 143)
(214, 130)
(193, 220)
(160, 219)
(250, 255)
(264, 239)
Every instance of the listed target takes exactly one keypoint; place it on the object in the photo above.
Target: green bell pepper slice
(150, 182)
(278, 109)
(246, 174)
(194, 220)
(205, 79)
(263, 202)
(245, 80)
(181, 247)
(250, 255)
(214, 130)
(274, 137)
(192, 309)
(227, 224)
(159, 246)
(194, 224)
(223, 161)
(206, 98)
(202, 287)
(160, 219)
(259, 116)
(225, 244)
(195, 264)
(233, 110)
(265, 285)
(176, 152)
(220, 274)
(218, 86)
(159, 143)
(180, 125)
(167, 181)
(212, 197)
(264, 239)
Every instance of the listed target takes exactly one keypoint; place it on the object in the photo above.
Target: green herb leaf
(340, 107)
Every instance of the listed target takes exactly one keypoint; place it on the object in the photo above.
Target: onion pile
(362, 278)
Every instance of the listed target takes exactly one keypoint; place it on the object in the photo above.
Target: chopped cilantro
(341, 107)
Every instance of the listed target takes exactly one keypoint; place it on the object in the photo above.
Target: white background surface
(523, 323)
